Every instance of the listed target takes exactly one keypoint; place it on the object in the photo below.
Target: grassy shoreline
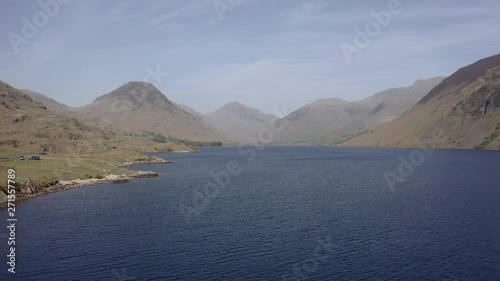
(57, 172)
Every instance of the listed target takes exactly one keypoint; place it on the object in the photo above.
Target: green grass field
(71, 165)
(68, 166)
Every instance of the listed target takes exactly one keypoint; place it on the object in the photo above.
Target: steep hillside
(390, 104)
(465, 107)
(189, 110)
(141, 107)
(51, 104)
(28, 126)
(239, 121)
(332, 121)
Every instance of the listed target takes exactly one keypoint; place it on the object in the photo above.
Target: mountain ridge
(239, 121)
(32, 126)
(333, 120)
(141, 107)
(465, 107)
(48, 102)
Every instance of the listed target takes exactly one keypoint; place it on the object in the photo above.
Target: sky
(274, 55)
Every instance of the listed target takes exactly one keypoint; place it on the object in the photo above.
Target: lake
(273, 213)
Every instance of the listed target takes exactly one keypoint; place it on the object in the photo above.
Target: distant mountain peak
(139, 95)
(140, 106)
(239, 121)
(235, 104)
(238, 109)
(329, 101)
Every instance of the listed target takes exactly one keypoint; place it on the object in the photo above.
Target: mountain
(51, 104)
(464, 108)
(318, 122)
(390, 104)
(239, 121)
(141, 107)
(189, 110)
(28, 125)
(331, 121)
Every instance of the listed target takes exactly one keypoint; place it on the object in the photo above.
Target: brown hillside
(465, 107)
(141, 107)
(239, 121)
(28, 126)
(332, 121)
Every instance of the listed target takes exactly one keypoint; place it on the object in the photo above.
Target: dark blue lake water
(300, 213)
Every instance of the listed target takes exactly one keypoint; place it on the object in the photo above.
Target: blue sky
(272, 54)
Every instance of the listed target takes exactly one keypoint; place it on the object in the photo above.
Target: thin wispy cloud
(120, 7)
(191, 9)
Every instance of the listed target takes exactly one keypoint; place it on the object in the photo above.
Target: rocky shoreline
(150, 160)
(32, 191)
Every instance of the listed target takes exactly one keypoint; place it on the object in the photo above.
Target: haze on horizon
(265, 54)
